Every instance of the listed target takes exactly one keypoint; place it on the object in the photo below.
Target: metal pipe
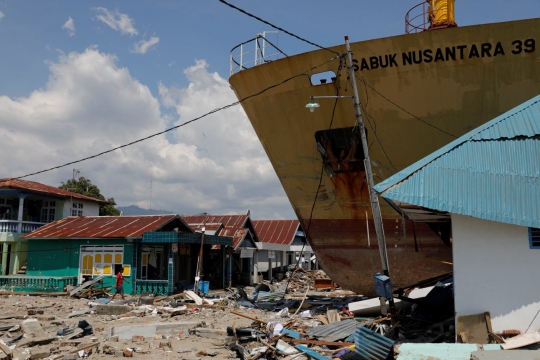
(375, 205)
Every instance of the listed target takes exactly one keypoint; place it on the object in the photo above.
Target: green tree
(84, 186)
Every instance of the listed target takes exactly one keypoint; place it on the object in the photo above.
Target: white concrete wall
(262, 260)
(496, 271)
(90, 208)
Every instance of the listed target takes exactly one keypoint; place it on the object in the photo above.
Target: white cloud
(117, 21)
(2, 15)
(89, 105)
(144, 45)
(69, 26)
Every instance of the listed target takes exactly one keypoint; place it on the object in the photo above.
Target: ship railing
(256, 51)
(417, 18)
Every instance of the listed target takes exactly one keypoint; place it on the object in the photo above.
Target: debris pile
(265, 322)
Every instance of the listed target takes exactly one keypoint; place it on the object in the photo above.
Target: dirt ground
(203, 337)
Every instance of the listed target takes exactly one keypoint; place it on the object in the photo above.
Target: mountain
(135, 210)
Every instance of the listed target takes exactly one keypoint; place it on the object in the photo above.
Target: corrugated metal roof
(89, 227)
(491, 173)
(44, 189)
(333, 332)
(234, 226)
(276, 231)
(371, 345)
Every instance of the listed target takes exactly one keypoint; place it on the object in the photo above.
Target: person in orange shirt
(119, 284)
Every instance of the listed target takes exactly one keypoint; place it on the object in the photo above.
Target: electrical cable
(181, 125)
(373, 126)
(404, 110)
(276, 27)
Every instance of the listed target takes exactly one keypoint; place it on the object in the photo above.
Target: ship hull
(418, 93)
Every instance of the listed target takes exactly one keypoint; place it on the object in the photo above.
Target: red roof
(45, 189)
(276, 231)
(102, 227)
(233, 225)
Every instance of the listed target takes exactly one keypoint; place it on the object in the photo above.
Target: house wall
(90, 208)
(62, 258)
(494, 270)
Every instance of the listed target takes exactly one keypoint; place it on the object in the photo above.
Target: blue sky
(69, 88)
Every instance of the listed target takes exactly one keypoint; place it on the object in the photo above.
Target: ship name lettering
(375, 62)
(449, 53)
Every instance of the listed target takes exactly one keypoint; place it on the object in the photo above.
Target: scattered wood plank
(191, 295)
(249, 317)
(316, 342)
(85, 285)
(311, 353)
(323, 319)
(333, 316)
(6, 350)
(473, 328)
(521, 340)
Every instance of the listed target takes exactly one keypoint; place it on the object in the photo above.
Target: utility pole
(375, 206)
(200, 260)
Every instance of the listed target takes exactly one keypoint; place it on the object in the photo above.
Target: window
(48, 211)
(534, 238)
(101, 260)
(77, 209)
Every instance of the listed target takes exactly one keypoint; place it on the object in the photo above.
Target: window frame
(534, 237)
(102, 252)
(77, 209)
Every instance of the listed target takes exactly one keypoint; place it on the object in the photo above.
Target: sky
(81, 77)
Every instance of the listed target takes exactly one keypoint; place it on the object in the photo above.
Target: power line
(276, 27)
(404, 110)
(181, 125)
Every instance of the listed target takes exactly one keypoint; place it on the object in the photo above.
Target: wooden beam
(316, 342)
(249, 317)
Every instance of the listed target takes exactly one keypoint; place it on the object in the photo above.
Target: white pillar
(269, 267)
(20, 215)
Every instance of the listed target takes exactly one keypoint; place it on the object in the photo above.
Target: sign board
(271, 254)
(246, 253)
(174, 247)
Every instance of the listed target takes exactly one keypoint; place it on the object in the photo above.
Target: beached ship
(418, 92)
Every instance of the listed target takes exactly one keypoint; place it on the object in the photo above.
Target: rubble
(271, 321)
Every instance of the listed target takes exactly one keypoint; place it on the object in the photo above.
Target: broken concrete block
(39, 353)
(71, 356)
(151, 330)
(118, 353)
(112, 309)
(32, 327)
(114, 338)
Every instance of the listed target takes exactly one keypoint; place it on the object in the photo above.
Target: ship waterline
(418, 92)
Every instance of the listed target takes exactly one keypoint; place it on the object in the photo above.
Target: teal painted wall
(61, 258)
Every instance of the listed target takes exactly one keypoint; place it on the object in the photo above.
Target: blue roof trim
(483, 132)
